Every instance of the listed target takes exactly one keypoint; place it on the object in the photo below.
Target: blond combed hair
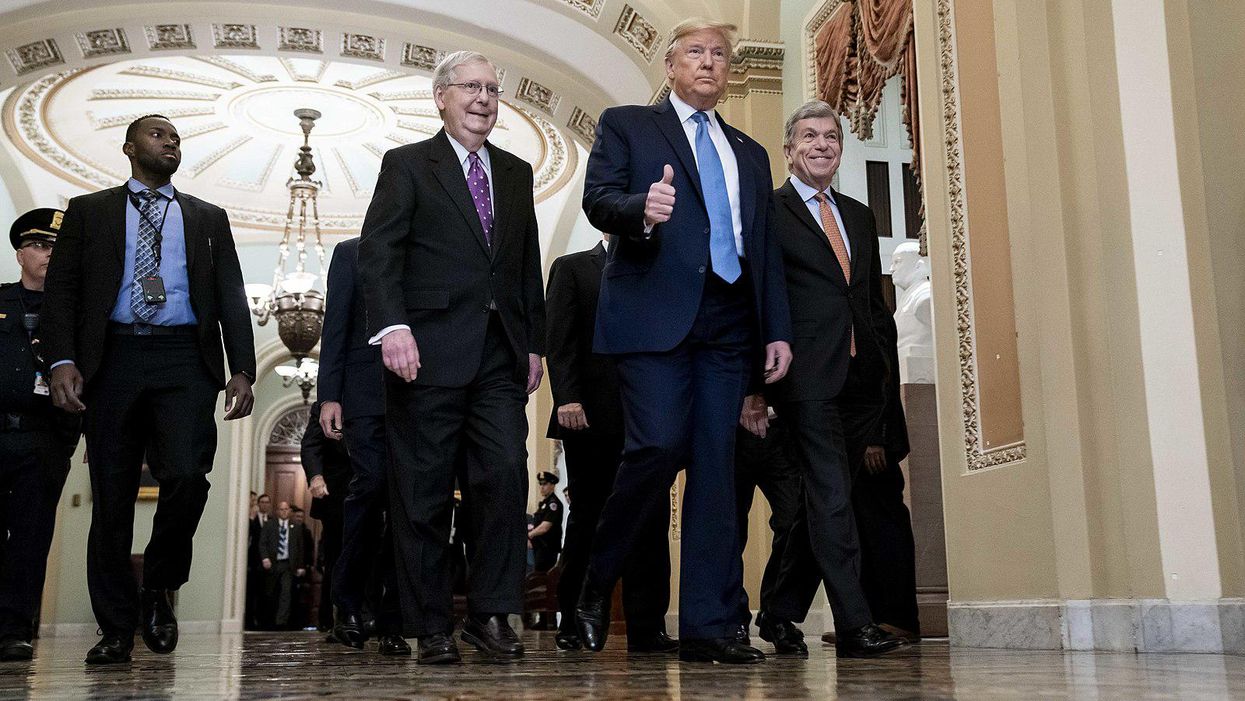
(697, 24)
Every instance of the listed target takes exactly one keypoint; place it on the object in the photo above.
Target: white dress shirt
(730, 166)
(808, 194)
(463, 155)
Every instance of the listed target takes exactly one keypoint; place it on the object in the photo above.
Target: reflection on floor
(263, 665)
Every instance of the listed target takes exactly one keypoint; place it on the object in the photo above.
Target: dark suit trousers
(766, 463)
(151, 394)
(683, 402)
(279, 592)
(33, 467)
(591, 467)
(364, 536)
(426, 426)
(825, 545)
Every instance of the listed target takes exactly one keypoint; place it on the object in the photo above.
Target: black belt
(24, 422)
(151, 329)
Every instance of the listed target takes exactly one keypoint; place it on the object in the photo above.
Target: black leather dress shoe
(652, 642)
(493, 636)
(787, 639)
(566, 640)
(113, 649)
(741, 635)
(438, 648)
(349, 631)
(724, 650)
(394, 646)
(159, 625)
(867, 641)
(592, 614)
(14, 650)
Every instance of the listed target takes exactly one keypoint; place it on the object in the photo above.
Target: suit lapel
(190, 229)
(747, 177)
(114, 223)
(668, 122)
(792, 200)
(505, 194)
(449, 172)
(597, 254)
(856, 233)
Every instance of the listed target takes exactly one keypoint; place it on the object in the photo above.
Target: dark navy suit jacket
(652, 285)
(351, 371)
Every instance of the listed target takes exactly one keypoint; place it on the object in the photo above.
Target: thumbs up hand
(660, 201)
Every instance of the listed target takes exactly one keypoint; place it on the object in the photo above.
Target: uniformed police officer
(546, 536)
(36, 440)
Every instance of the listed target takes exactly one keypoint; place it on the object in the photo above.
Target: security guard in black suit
(546, 535)
(36, 439)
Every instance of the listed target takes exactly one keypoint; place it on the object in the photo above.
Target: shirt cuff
(375, 340)
(60, 362)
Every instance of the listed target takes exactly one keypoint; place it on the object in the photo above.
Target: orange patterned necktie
(831, 227)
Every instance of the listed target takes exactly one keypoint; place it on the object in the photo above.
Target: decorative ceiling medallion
(300, 39)
(169, 36)
(235, 36)
(424, 57)
(35, 55)
(103, 42)
(363, 46)
(638, 32)
(592, 8)
(537, 95)
(584, 125)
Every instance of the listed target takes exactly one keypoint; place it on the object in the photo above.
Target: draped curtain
(859, 47)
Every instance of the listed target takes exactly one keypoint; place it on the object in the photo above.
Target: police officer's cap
(546, 478)
(42, 224)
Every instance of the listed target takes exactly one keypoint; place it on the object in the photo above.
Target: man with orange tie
(838, 316)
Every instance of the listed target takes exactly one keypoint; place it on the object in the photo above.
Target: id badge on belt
(41, 385)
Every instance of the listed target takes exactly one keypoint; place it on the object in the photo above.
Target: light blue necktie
(722, 253)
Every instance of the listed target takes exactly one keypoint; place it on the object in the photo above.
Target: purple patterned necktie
(477, 183)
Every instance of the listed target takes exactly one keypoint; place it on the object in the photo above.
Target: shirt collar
(462, 152)
(136, 187)
(807, 192)
(685, 111)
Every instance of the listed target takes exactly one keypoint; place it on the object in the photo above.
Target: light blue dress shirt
(176, 310)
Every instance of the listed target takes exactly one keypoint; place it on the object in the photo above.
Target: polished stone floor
(301, 665)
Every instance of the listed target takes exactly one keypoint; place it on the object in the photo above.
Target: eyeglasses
(41, 245)
(474, 88)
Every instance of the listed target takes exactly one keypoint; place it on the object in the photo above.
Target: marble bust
(913, 314)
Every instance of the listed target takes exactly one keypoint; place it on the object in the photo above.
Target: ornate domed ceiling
(239, 135)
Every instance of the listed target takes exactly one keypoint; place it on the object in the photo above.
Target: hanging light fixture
(292, 297)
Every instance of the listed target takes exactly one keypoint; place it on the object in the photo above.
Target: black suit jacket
(85, 272)
(824, 307)
(351, 371)
(424, 260)
(576, 374)
(268, 542)
(327, 458)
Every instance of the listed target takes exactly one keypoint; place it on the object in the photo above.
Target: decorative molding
(416, 112)
(304, 76)
(35, 55)
(583, 125)
(162, 37)
(375, 148)
(225, 149)
(350, 178)
(363, 46)
(197, 129)
(977, 456)
(749, 55)
(422, 57)
(302, 39)
(592, 8)
(553, 163)
(36, 140)
(121, 120)
(145, 93)
(662, 93)
(373, 79)
(537, 95)
(638, 32)
(235, 36)
(180, 76)
(235, 67)
(416, 127)
(816, 19)
(399, 138)
(103, 42)
(395, 95)
(261, 180)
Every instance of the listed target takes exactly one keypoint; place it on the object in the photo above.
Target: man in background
(281, 556)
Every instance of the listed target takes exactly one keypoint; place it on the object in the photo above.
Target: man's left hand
(777, 361)
(535, 371)
(239, 399)
(875, 459)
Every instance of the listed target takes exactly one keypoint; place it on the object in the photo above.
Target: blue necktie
(722, 253)
(144, 256)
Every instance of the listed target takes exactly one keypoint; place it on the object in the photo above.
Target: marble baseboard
(1117, 625)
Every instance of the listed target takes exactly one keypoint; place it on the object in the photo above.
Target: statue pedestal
(916, 365)
(923, 473)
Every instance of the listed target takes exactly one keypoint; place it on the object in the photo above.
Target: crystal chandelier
(292, 297)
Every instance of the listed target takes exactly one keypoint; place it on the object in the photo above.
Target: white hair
(444, 73)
